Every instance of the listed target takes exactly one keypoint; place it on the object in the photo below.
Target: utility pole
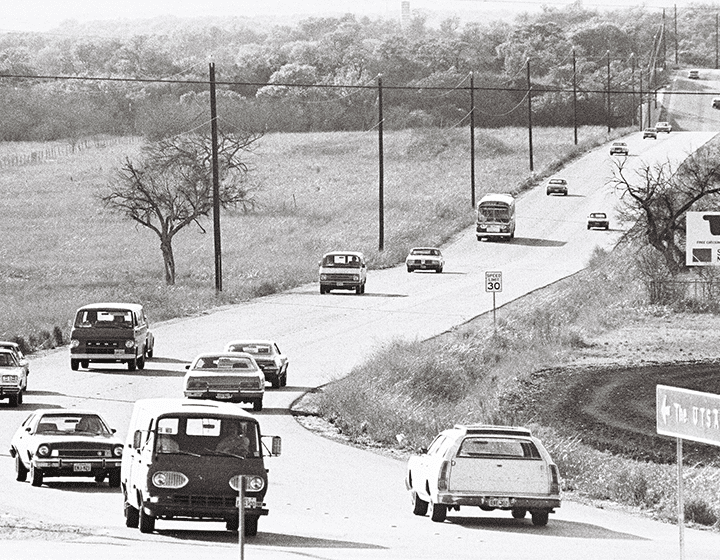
(381, 171)
(472, 139)
(608, 93)
(216, 181)
(632, 82)
(575, 123)
(529, 96)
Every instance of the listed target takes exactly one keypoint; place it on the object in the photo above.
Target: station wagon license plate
(81, 467)
(248, 502)
(499, 502)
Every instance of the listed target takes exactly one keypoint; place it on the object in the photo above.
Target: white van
(184, 459)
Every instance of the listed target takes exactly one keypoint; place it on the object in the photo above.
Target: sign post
(493, 283)
(686, 414)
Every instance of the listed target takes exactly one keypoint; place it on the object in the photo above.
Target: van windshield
(104, 318)
(202, 436)
(341, 261)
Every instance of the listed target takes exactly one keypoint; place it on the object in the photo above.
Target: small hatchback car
(56, 443)
(490, 467)
(619, 149)
(425, 258)
(663, 126)
(556, 185)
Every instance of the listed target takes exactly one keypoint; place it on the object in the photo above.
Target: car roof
(160, 406)
(113, 305)
(558, 180)
(619, 144)
(597, 214)
(491, 430)
(498, 197)
(221, 355)
(73, 411)
(7, 351)
(433, 248)
(249, 341)
(356, 253)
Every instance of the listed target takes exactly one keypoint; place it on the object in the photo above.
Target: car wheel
(518, 513)
(283, 383)
(251, 526)
(36, 476)
(132, 515)
(74, 365)
(232, 524)
(114, 478)
(141, 361)
(84, 364)
(607, 227)
(257, 405)
(13, 400)
(588, 227)
(322, 290)
(149, 352)
(20, 397)
(540, 518)
(420, 506)
(439, 270)
(358, 290)
(20, 471)
(438, 512)
(146, 522)
(132, 364)
(275, 382)
(409, 269)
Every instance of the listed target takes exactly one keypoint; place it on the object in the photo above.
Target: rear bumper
(231, 396)
(488, 502)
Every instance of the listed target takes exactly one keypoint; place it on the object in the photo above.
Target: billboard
(702, 239)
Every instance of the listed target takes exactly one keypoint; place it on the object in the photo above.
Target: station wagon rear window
(498, 448)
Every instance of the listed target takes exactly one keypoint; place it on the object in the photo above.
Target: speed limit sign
(493, 281)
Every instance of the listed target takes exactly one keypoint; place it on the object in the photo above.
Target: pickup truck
(490, 467)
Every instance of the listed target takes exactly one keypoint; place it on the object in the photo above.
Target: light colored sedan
(74, 443)
(556, 185)
(425, 258)
(13, 377)
(225, 376)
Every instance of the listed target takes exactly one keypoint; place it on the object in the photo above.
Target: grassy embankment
(61, 249)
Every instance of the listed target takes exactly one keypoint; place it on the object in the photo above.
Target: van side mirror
(276, 446)
(137, 439)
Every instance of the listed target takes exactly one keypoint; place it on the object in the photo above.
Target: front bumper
(75, 466)
(9, 391)
(487, 502)
(201, 507)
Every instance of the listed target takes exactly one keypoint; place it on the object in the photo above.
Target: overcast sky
(42, 15)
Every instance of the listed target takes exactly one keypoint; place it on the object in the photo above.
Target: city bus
(496, 216)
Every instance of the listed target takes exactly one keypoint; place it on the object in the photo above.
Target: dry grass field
(62, 249)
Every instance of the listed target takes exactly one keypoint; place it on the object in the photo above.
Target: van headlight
(117, 451)
(252, 483)
(74, 343)
(169, 479)
(323, 277)
(43, 451)
(129, 343)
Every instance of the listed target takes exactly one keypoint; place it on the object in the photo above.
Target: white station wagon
(490, 467)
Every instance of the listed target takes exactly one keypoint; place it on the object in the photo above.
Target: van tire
(257, 405)
(251, 526)
(540, 518)
(36, 476)
(141, 361)
(85, 364)
(74, 365)
(132, 515)
(518, 513)
(146, 522)
(232, 524)
(438, 512)
(114, 478)
(132, 364)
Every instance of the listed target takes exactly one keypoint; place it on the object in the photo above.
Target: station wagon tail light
(129, 343)
(555, 480)
(169, 479)
(442, 479)
(117, 451)
(252, 483)
(43, 451)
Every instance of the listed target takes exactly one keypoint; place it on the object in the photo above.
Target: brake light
(442, 479)
(555, 480)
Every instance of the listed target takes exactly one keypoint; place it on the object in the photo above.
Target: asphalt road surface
(327, 500)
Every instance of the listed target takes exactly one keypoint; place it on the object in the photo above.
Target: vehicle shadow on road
(148, 371)
(268, 539)
(81, 487)
(555, 528)
(533, 242)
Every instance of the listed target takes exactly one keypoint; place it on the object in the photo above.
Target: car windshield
(7, 360)
(497, 447)
(430, 252)
(342, 261)
(65, 424)
(251, 348)
(104, 318)
(224, 362)
(198, 436)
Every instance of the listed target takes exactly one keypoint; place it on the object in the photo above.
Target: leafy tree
(661, 196)
(171, 186)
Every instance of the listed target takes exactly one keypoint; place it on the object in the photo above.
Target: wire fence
(58, 150)
(673, 291)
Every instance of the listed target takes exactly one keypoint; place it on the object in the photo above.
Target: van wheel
(74, 365)
(84, 364)
(146, 522)
(141, 361)
(232, 524)
(149, 352)
(251, 526)
(132, 364)
(257, 405)
(518, 513)
(438, 512)
(20, 471)
(36, 476)
(132, 515)
(358, 290)
(540, 518)
(114, 478)
(13, 400)
(276, 382)
(20, 397)
(420, 506)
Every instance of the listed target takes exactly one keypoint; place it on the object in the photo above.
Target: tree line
(317, 75)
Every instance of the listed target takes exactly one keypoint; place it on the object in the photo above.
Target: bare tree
(660, 198)
(171, 186)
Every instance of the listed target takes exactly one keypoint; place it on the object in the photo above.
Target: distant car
(619, 148)
(716, 103)
(425, 258)
(54, 442)
(598, 220)
(13, 377)
(663, 126)
(490, 467)
(556, 185)
(225, 376)
(694, 74)
(343, 270)
(268, 356)
(650, 133)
